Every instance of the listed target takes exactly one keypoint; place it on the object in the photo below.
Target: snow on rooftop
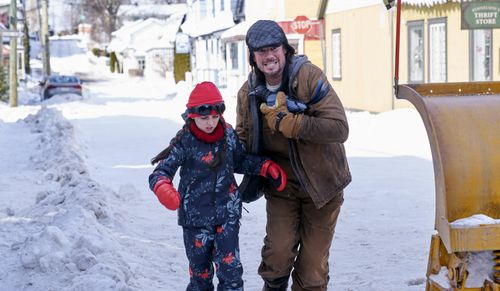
(122, 38)
(167, 37)
(138, 25)
(148, 10)
(237, 31)
(341, 5)
(195, 27)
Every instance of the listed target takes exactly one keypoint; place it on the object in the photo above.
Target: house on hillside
(205, 22)
(360, 44)
(145, 47)
(160, 52)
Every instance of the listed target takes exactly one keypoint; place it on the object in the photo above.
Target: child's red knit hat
(204, 93)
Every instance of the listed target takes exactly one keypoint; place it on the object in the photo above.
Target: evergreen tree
(4, 84)
(181, 66)
(112, 62)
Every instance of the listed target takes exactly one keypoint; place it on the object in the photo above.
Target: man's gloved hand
(280, 119)
(167, 194)
(275, 173)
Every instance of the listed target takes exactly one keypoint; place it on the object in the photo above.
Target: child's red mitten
(167, 194)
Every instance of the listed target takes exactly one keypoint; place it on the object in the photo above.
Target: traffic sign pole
(13, 55)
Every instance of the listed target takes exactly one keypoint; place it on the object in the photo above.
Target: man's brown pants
(298, 237)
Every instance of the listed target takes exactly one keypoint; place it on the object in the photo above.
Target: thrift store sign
(480, 15)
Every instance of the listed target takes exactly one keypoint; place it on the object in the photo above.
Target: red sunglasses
(207, 109)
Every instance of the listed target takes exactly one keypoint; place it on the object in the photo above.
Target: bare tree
(103, 15)
(168, 1)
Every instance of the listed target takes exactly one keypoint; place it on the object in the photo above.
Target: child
(208, 152)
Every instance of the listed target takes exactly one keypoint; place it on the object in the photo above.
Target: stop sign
(301, 24)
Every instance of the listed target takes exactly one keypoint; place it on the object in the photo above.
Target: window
(233, 54)
(336, 55)
(203, 8)
(20, 61)
(480, 54)
(416, 51)
(437, 50)
(141, 63)
(222, 5)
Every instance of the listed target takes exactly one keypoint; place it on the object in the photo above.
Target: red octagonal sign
(301, 24)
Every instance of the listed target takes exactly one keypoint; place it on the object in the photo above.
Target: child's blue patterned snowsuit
(211, 205)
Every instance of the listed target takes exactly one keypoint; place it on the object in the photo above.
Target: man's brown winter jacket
(318, 156)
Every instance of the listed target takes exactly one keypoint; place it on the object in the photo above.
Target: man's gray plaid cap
(265, 33)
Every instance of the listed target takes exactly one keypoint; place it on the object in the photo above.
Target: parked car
(60, 84)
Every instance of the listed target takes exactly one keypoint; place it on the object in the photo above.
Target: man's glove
(275, 173)
(280, 119)
(167, 194)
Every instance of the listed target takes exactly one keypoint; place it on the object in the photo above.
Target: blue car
(60, 84)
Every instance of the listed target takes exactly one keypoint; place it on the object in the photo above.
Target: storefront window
(480, 54)
(336, 55)
(437, 50)
(416, 52)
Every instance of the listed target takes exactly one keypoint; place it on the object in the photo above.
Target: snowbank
(69, 244)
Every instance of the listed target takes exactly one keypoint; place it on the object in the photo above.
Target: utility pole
(44, 37)
(13, 55)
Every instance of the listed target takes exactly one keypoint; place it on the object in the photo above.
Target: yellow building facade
(362, 74)
(360, 52)
(313, 48)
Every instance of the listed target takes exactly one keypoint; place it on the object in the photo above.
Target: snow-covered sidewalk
(76, 212)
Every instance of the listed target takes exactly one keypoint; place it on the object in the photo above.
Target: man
(288, 111)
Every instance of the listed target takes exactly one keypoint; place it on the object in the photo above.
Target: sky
(76, 212)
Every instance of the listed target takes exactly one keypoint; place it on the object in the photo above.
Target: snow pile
(479, 267)
(441, 278)
(474, 220)
(63, 98)
(71, 245)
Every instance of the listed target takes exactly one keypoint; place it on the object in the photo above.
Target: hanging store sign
(480, 15)
(182, 44)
